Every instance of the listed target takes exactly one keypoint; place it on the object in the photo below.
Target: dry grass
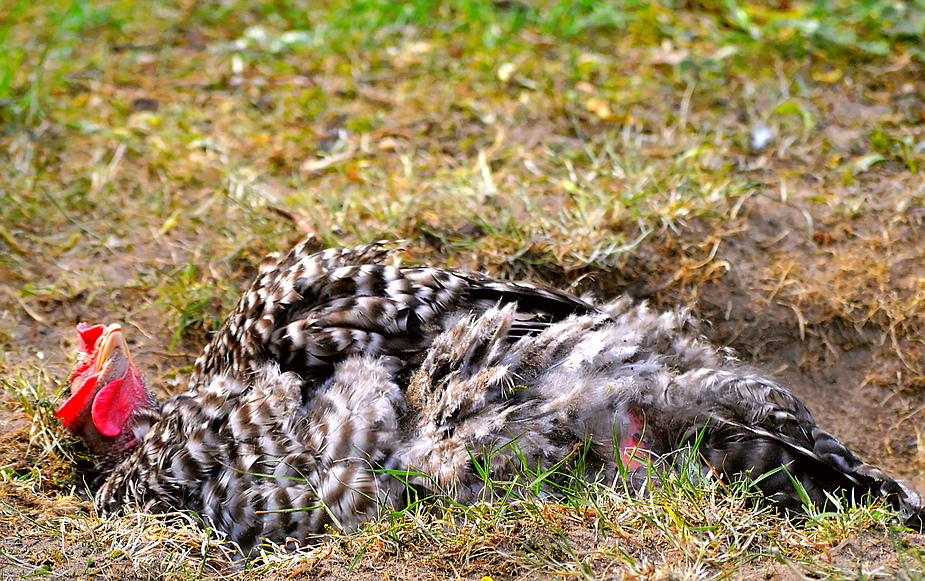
(682, 529)
(151, 154)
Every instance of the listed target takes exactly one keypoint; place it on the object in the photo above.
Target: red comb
(89, 335)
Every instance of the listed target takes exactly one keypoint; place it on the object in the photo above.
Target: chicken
(341, 387)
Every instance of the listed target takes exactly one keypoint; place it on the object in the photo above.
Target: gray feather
(337, 372)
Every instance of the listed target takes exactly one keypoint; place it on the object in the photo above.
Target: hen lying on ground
(338, 373)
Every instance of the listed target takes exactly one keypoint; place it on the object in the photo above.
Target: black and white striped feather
(337, 371)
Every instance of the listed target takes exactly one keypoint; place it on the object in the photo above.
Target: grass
(759, 162)
(685, 526)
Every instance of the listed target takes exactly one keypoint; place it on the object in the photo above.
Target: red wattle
(70, 409)
(115, 403)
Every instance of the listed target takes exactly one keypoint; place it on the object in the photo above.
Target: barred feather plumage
(336, 372)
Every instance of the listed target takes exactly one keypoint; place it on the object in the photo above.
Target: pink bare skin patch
(632, 446)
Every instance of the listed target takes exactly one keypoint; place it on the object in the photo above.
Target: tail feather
(791, 472)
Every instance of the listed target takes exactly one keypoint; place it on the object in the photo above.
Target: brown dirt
(842, 364)
(839, 367)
